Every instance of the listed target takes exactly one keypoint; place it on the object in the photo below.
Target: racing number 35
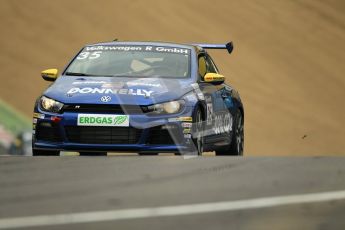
(88, 55)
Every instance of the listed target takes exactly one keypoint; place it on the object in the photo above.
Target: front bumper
(52, 132)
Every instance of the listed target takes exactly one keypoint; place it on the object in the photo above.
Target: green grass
(13, 120)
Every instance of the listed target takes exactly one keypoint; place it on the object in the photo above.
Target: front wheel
(36, 152)
(198, 134)
(235, 148)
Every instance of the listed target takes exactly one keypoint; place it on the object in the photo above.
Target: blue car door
(218, 119)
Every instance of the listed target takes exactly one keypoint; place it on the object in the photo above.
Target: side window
(202, 66)
(211, 68)
(206, 65)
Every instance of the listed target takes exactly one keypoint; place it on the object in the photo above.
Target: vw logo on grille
(106, 98)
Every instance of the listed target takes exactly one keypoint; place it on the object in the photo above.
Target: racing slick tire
(198, 132)
(36, 152)
(235, 148)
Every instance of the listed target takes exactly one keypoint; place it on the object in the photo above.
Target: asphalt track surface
(72, 186)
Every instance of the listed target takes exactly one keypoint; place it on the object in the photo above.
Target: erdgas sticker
(103, 120)
(90, 90)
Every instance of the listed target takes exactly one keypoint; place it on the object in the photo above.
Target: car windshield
(131, 61)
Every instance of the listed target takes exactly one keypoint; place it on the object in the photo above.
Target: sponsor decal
(133, 83)
(209, 107)
(222, 123)
(213, 77)
(198, 92)
(169, 50)
(103, 120)
(125, 48)
(38, 115)
(200, 96)
(105, 98)
(113, 48)
(167, 127)
(186, 124)
(186, 131)
(56, 119)
(188, 119)
(88, 82)
(34, 121)
(195, 85)
(113, 85)
(187, 136)
(90, 90)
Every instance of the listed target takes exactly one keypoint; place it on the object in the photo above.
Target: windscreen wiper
(80, 74)
(86, 74)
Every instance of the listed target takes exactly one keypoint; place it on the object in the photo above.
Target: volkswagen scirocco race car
(145, 97)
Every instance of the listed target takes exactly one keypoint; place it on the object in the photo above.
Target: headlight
(172, 107)
(50, 105)
(168, 107)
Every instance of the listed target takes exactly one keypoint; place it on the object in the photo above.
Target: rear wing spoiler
(228, 46)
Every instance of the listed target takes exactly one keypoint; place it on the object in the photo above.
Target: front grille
(103, 135)
(46, 131)
(91, 108)
(165, 135)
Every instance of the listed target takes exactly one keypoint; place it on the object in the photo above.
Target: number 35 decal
(88, 55)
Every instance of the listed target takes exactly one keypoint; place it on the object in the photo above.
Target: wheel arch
(202, 106)
(238, 106)
(242, 111)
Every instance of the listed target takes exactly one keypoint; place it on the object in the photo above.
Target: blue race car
(145, 97)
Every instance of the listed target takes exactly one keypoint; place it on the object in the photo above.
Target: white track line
(112, 215)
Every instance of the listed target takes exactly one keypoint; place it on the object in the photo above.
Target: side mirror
(49, 74)
(214, 78)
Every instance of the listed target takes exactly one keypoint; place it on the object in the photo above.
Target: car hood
(121, 90)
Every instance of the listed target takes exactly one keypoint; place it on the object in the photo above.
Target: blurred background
(288, 62)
